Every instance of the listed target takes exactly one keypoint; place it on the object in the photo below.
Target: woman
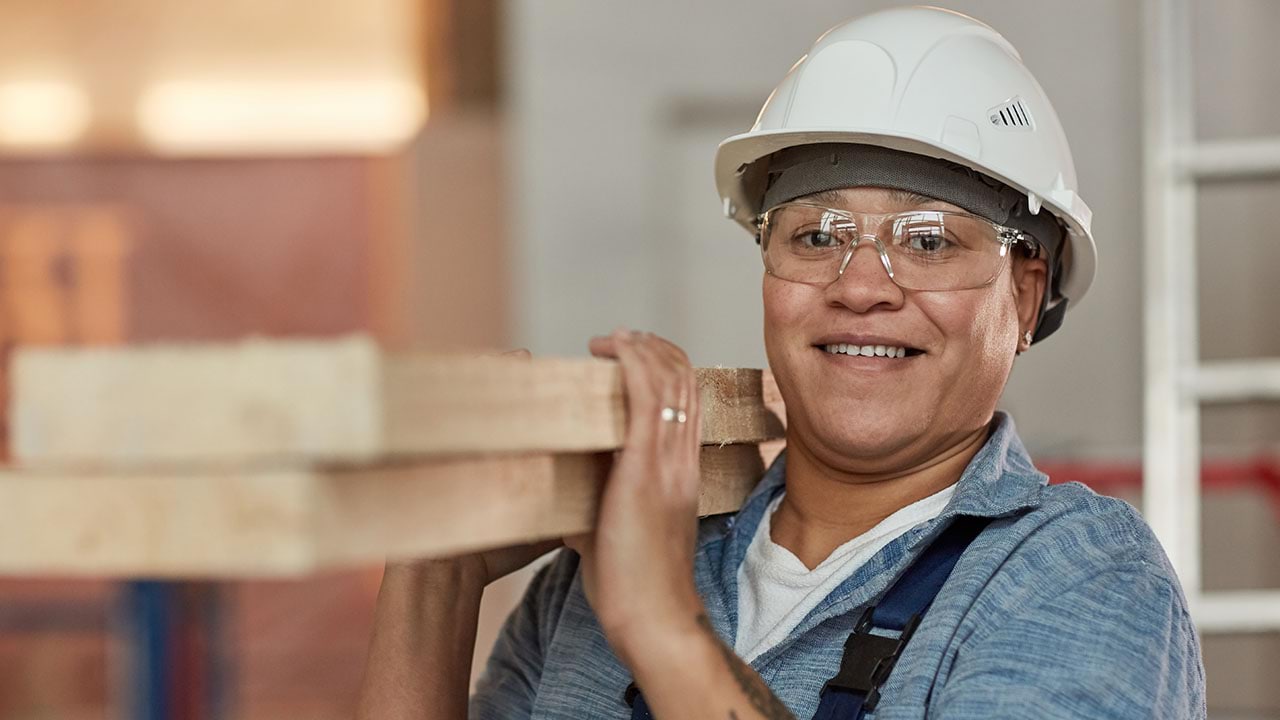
(914, 199)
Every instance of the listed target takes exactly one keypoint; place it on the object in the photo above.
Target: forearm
(423, 640)
(690, 673)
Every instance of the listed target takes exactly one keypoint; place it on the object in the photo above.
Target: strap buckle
(868, 659)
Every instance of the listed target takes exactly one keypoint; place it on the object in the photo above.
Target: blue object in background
(147, 608)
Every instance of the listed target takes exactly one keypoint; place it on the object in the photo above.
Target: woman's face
(875, 415)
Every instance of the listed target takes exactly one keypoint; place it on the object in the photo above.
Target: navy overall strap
(869, 658)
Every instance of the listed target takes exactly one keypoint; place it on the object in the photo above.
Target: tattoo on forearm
(762, 699)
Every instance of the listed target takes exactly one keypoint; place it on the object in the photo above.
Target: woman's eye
(928, 242)
(817, 240)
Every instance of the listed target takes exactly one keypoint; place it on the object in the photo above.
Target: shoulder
(559, 571)
(553, 580)
(1078, 545)
(1081, 576)
(548, 591)
(1066, 532)
(1089, 533)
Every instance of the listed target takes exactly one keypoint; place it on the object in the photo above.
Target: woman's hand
(637, 564)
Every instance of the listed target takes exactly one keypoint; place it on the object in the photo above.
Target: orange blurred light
(41, 114)
(280, 116)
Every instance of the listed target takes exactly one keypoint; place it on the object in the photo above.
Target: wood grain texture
(287, 522)
(252, 400)
(334, 401)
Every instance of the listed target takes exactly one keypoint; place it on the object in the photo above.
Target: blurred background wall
(209, 171)
(480, 174)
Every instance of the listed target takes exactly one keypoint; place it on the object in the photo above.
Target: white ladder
(1177, 382)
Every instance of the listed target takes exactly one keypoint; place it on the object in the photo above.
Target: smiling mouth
(884, 351)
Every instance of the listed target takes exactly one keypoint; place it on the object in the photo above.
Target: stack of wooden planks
(289, 457)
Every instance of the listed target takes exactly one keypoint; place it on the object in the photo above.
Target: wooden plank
(500, 404)
(255, 399)
(342, 400)
(286, 522)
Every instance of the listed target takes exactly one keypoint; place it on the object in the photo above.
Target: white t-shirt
(776, 591)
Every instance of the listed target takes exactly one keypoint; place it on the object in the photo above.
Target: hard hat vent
(1012, 115)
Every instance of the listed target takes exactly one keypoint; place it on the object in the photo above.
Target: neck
(826, 507)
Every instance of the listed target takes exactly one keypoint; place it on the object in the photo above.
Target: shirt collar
(1000, 480)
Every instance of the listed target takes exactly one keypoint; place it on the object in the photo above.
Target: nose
(865, 279)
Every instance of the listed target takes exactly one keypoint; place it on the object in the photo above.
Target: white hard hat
(931, 82)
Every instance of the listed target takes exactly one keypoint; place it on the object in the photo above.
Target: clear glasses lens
(926, 249)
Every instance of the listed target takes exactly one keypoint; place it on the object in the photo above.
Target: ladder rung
(1237, 611)
(1222, 159)
(1233, 380)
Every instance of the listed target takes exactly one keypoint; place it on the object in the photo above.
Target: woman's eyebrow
(905, 197)
(827, 197)
(911, 198)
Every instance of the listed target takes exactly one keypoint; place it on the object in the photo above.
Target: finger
(672, 372)
(667, 349)
(660, 370)
(673, 385)
(672, 444)
(682, 373)
(678, 433)
(606, 345)
(643, 401)
(686, 447)
(603, 347)
(682, 440)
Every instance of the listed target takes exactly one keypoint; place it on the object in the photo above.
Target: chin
(861, 430)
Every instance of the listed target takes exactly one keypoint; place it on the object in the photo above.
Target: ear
(1030, 275)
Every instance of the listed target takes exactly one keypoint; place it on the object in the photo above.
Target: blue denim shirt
(1065, 607)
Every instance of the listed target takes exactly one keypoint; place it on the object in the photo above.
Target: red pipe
(1109, 478)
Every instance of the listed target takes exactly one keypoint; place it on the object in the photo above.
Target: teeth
(867, 350)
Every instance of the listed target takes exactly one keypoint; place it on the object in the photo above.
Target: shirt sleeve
(1117, 645)
(507, 687)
